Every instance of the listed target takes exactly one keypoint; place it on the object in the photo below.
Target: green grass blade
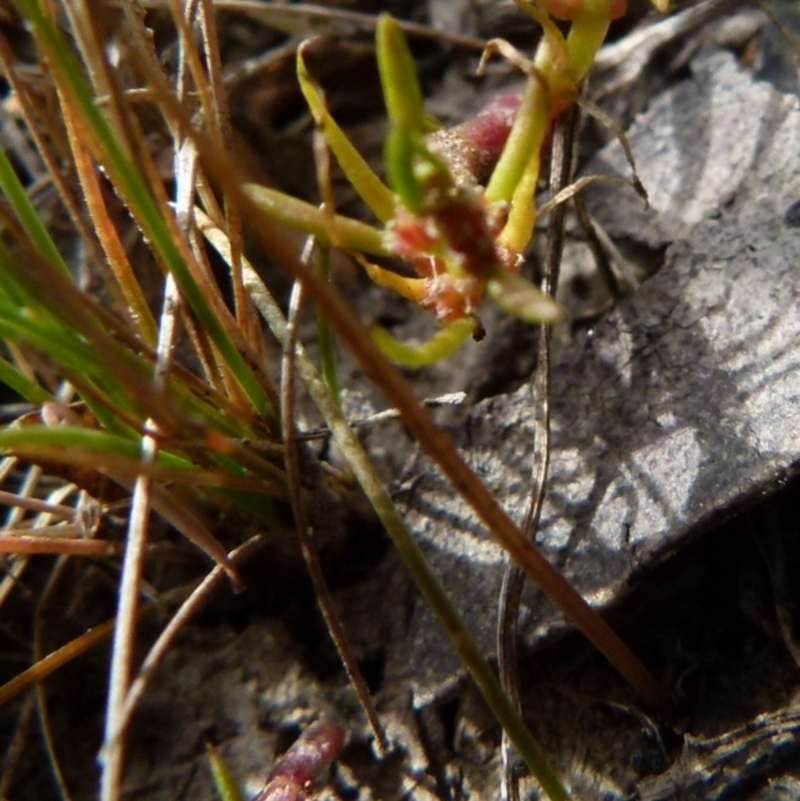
(27, 215)
(22, 385)
(39, 438)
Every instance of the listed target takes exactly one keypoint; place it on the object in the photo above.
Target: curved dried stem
(304, 532)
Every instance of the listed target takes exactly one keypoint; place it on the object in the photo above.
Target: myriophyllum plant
(463, 241)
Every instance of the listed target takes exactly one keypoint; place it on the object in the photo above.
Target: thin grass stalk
(63, 185)
(13, 519)
(36, 505)
(113, 749)
(247, 338)
(60, 657)
(198, 597)
(135, 307)
(41, 700)
(220, 117)
(99, 71)
(27, 216)
(16, 380)
(304, 532)
(60, 544)
(319, 255)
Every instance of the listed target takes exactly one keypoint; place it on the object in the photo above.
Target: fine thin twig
(189, 608)
(36, 505)
(113, 751)
(14, 516)
(305, 533)
(593, 242)
(513, 576)
(41, 698)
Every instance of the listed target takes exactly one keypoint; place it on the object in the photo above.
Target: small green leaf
(517, 296)
(401, 90)
(333, 231)
(443, 343)
(370, 188)
(223, 778)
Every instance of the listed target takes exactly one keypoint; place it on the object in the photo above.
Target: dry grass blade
(561, 168)
(199, 596)
(55, 660)
(132, 568)
(304, 532)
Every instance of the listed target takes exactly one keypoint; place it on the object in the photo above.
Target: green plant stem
(409, 551)
(329, 230)
(12, 377)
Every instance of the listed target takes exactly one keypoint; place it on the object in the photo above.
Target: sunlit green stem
(585, 38)
(409, 551)
(556, 70)
(329, 230)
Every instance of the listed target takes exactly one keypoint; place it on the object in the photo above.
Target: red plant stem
(306, 761)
